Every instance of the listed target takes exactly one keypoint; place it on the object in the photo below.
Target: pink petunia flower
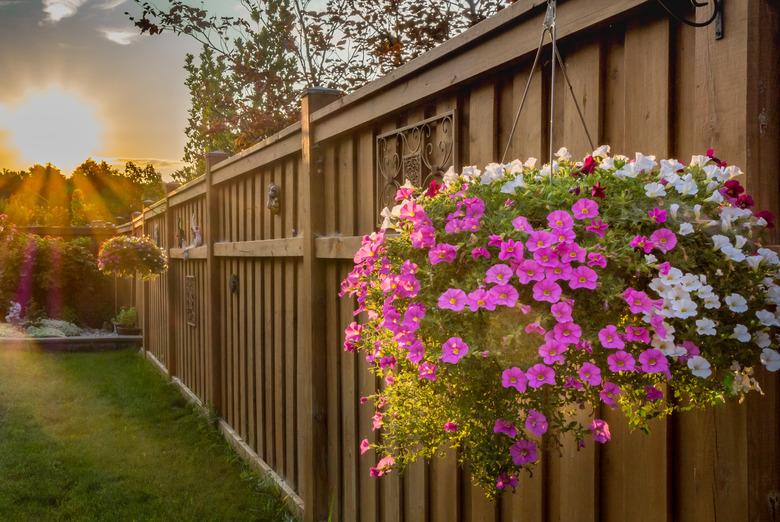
(598, 227)
(653, 361)
(480, 252)
(534, 328)
(442, 253)
(653, 394)
(600, 430)
(540, 239)
(480, 299)
(536, 423)
(539, 375)
(416, 352)
(427, 371)
(514, 378)
(498, 274)
(571, 252)
(638, 302)
(610, 338)
(364, 446)
(561, 311)
(590, 374)
(376, 421)
(597, 259)
(528, 271)
(621, 361)
(521, 223)
(546, 257)
(664, 239)
(561, 271)
(637, 334)
(552, 352)
(383, 467)
(453, 350)
(567, 332)
(609, 393)
(511, 249)
(657, 215)
(523, 452)
(642, 242)
(505, 427)
(583, 277)
(453, 299)
(559, 220)
(505, 480)
(547, 290)
(503, 295)
(450, 427)
(585, 209)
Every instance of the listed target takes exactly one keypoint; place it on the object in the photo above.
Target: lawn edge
(293, 502)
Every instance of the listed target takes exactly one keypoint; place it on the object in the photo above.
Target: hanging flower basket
(128, 256)
(499, 304)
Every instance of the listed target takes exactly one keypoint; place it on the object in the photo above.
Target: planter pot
(127, 330)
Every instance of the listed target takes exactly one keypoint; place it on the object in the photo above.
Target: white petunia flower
(627, 171)
(601, 152)
(770, 359)
(741, 333)
(754, 261)
(670, 166)
(767, 318)
(511, 186)
(736, 303)
(770, 256)
(711, 301)
(732, 171)
(449, 177)
(608, 164)
(705, 327)
(563, 154)
(514, 167)
(685, 229)
(655, 190)
(687, 186)
(699, 160)
(684, 308)
(471, 172)
(673, 208)
(699, 366)
(761, 222)
(492, 172)
(650, 259)
(762, 339)
(715, 173)
(644, 163)
(697, 211)
(530, 163)
(739, 241)
(773, 294)
(715, 197)
(720, 241)
(732, 253)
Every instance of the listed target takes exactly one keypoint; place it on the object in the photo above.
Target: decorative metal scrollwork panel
(190, 300)
(419, 152)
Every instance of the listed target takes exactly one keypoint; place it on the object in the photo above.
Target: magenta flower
(600, 430)
(514, 378)
(480, 298)
(657, 215)
(498, 274)
(590, 374)
(664, 239)
(598, 227)
(523, 452)
(453, 299)
(495, 240)
(511, 249)
(642, 242)
(503, 295)
(637, 334)
(609, 393)
(585, 209)
(559, 220)
(383, 467)
(387, 362)
(376, 421)
(480, 252)
(653, 394)
(547, 290)
(352, 336)
(536, 423)
(413, 316)
(552, 351)
(596, 259)
(427, 371)
(583, 277)
(567, 332)
(539, 375)
(546, 257)
(506, 480)
(411, 211)
(621, 361)
(442, 253)
(565, 236)
(653, 361)
(416, 352)
(450, 427)
(528, 271)
(364, 446)
(610, 338)
(453, 350)
(521, 223)
(571, 252)
(540, 239)
(534, 328)
(505, 427)
(561, 311)
(638, 302)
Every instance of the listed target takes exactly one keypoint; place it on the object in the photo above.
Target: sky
(76, 80)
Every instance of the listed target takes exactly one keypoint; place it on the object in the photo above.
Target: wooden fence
(251, 324)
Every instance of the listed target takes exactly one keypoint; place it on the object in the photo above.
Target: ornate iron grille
(419, 152)
(190, 301)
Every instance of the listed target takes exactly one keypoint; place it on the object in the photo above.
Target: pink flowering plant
(497, 305)
(128, 256)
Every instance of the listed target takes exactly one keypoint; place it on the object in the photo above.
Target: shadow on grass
(102, 436)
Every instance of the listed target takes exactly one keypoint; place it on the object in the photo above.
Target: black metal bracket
(715, 17)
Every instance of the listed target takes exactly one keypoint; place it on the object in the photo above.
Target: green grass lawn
(103, 436)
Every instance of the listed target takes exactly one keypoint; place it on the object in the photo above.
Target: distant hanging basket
(127, 256)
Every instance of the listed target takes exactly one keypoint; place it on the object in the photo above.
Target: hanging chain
(548, 28)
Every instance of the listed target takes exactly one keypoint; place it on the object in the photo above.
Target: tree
(243, 85)
(147, 178)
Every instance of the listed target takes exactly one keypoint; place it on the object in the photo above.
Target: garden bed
(83, 343)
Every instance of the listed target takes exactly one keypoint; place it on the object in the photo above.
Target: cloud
(120, 36)
(56, 10)
(111, 4)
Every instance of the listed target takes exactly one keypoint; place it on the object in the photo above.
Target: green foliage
(129, 256)
(127, 316)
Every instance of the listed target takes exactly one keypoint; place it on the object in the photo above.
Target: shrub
(68, 329)
(44, 331)
(127, 316)
(508, 299)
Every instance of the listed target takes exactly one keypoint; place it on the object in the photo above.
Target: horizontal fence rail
(248, 321)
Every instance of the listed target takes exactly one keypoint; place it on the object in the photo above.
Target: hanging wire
(716, 11)
(548, 27)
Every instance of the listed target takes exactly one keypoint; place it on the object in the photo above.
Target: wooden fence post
(312, 431)
(211, 227)
(171, 288)
(145, 293)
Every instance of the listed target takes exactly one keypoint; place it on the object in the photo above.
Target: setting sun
(52, 126)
